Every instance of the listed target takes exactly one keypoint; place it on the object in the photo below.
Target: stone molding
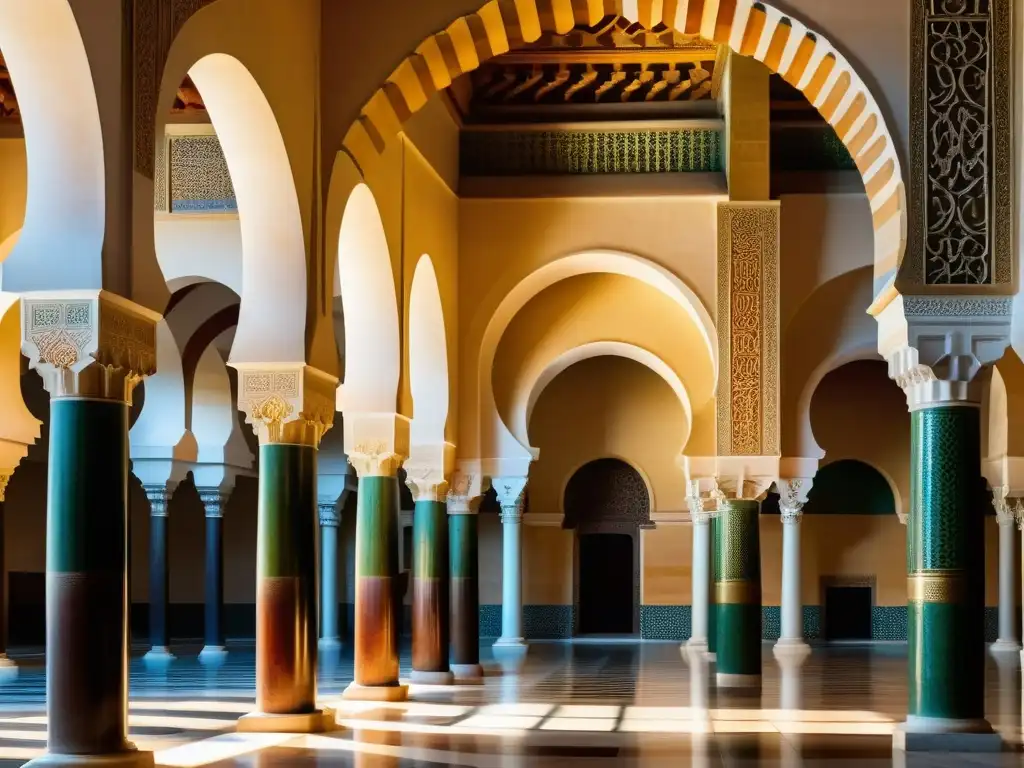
(511, 493)
(88, 343)
(748, 328)
(159, 497)
(286, 403)
(377, 444)
(330, 515)
(936, 350)
(464, 494)
(214, 501)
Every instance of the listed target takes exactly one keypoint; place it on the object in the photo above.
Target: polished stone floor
(614, 704)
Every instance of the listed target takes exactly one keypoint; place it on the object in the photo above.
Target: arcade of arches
(591, 320)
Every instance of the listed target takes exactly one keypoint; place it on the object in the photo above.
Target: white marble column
(792, 495)
(1005, 517)
(700, 576)
(511, 493)
(330, 519)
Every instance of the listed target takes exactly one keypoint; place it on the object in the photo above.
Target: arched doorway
(607, 502)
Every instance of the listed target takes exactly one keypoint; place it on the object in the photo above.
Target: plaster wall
(14, 189)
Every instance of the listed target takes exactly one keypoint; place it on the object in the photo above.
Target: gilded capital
(286, 403)
(88, 343)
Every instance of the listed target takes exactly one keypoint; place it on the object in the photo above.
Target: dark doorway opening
(847, 613)
(26, 605)
(606, 584)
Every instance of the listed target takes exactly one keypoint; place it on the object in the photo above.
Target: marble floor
(600, 704)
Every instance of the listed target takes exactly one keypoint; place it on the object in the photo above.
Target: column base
(357, 692)
(432, 678)
(724, 680)
(159, 654)
(1005, 646)
(696, 645)
(935, 734)
(791, 648)
(468, 674)
(131, 759)
(8, 669)
(329, 644)
(317, 721)
(213, 654)
(511, 643)
(712, 657)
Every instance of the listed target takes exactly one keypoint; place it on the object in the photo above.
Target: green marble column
(376, 601)
(712, 598)
(286, 626)
(738, 595)
(465, 598)
(945, 572)
(430, 597)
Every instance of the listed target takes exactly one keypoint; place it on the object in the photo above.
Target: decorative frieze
(288, 403)
(88, 343)
(748, 329)
(961, 144)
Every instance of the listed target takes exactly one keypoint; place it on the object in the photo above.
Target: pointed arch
(428, 357)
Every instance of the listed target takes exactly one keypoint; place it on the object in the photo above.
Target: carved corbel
(377, 444)
(286, 403)
(88, 343)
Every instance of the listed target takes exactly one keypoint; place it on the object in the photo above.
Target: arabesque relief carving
(289, 406)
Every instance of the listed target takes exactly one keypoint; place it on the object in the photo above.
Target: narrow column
(716, 524)
(8, 668)
(214, 500)
(430, 585)
(738, 595)
(330, 519)
(159, 497)
(792, 495)
(511, 493)
(376, 630)
(945, 584)
(1006, 518)
(701, 575)
(463, 500)
(290, 409)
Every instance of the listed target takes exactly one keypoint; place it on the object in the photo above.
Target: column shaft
(430, 588)
(716, 528)
(945, 553)
(511, 581)
(87, 578)
(1007, 639)
(465, 591)
(286, 584)
(3, 592)
(329, 586)
(376, 633)
(792, 604)
(738, 595)
(159, 588)
(701, 581)
(214, 607)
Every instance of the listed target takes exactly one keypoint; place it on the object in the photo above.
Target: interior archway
(428, 357)
(46, 57)
(802, 56)
(367, 284)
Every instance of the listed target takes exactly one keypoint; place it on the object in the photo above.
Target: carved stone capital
(743, 478)
(937, 345)
(377, 444)
(88, 343)
(1018, 513)
(511, 493)
(464, 494)
(5, 478)
(330, 515)
(214, 500)
(159, 497)
(428, 470)
(287, 402)
(792, 497)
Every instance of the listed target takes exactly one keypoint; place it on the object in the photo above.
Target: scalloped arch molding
(804, 58)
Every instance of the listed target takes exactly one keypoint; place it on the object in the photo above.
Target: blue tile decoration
(812, 622)
(992, 624)
(771, 622)
(889, 622)
(490, 621)
(665, 622)
(547, 622)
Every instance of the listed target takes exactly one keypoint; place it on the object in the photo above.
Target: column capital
(937, 345)
(214, 500)
(464, 494)
(89, 343)
(159, 497)
(377, 444)
(286, 402)
(511, 493)
(792, 497)
(1018, 514)
(330, 514)
(428, 471)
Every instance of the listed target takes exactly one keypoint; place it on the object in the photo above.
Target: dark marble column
(330, 519)
(430, 583)
(463, 501)
(7, 667)
(214, 501)
(738, 595)
(159, 497)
